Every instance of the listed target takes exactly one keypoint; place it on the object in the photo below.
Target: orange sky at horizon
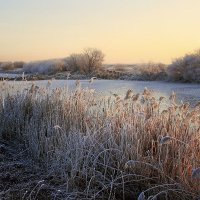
(132, 31)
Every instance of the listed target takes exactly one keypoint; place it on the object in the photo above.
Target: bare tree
(88, 61)
(74, 62)
(92, 59)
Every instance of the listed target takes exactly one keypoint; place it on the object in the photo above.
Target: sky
(128, 31)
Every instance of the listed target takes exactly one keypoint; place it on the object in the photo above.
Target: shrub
(92, 59)
(6, 66)
(146, 71)
(186, 68)
(11, 65)
(75, 63)
(18, 64)
(153, 71)
(45, 66)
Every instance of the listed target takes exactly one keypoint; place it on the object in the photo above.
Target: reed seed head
(130, 164)
(196, 173)
(165, 139)
(141, 196)
(129, 94)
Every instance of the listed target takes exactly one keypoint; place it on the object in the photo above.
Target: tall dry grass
(107, 148)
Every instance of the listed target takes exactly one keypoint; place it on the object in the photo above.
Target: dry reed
(106, 148)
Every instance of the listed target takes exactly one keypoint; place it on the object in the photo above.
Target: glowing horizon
(130, 31)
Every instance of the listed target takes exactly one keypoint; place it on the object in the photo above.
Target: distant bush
(45, 66)
(121, 67)
(86, 62)
(18, 64)
(75, 63)
(186, 68)
(6, 66)
(155, 71)
(92, 59)
(146, 71)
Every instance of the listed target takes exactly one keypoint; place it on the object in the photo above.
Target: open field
(58, 143)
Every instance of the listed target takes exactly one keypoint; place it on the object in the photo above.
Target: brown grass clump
(105, 148)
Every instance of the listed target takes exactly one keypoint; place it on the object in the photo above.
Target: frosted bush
(185, 68)
(45, 66)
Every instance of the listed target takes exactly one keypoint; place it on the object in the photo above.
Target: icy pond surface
(184, 91)
(9, 75)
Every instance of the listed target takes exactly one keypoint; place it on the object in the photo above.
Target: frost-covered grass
(145, 71)
(106, 148)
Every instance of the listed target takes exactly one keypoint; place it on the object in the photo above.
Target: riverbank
(100, 74)
(87, 147)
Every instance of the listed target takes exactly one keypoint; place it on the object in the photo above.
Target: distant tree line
(86, 62)
(11, 65)
(186, 68)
